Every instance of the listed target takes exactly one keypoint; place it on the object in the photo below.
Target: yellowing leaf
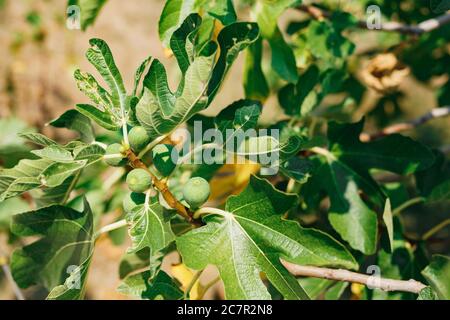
(232, 179)
(184, 276)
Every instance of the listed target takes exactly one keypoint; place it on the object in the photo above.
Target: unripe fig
(138, 138)
(196, 192)
(139, 180)
(131, 200)
(115, 149)
(162, 159)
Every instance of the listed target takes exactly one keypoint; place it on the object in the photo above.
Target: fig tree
(114, 155)
(138, 138)
(139, 180)
(196, 192)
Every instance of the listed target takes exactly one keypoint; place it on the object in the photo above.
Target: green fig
(138, 138)
(114, 155)
(196, 192)
(139, 180)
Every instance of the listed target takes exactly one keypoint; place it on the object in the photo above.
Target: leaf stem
(407, 204)
(197, 149)
(151, 145)
(110, 227)
(435, 229)
(354, 277)
(101, 144)
(71, 187)
(125, 132)
(208, 210)
(113, 178)
(192, 283)
(323, 152)
(208, 286)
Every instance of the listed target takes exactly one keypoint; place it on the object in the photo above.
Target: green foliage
(328, 201)
(251, 235)
(63, 251)
(149, 227)
(131, 200)
(138, 138)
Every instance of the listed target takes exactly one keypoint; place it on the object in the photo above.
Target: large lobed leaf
(251, 237)
(60, 257)
(160, 110)
(343, 174)
(57, 164)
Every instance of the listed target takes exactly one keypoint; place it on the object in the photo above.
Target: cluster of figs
(195, 192)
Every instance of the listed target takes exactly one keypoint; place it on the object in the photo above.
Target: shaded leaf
(74, 120)
(141, 285)
(283, 59)
(65, 243)
(292, 97)
(56, 173)
(38, 139)
(103, 119)
(255, 84)
(438, 276)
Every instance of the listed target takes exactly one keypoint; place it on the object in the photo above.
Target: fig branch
(162, 187)
(354, 277)
(7, 271)
(423, 27)
(408, 125)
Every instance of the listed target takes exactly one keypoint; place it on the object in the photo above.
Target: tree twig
(162, 187)
(408, 125)
(423, 27)
(427, 235)
(13, 284)
(354, 277)
(407, 204)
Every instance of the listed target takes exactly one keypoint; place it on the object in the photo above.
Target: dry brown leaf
(385, 73)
